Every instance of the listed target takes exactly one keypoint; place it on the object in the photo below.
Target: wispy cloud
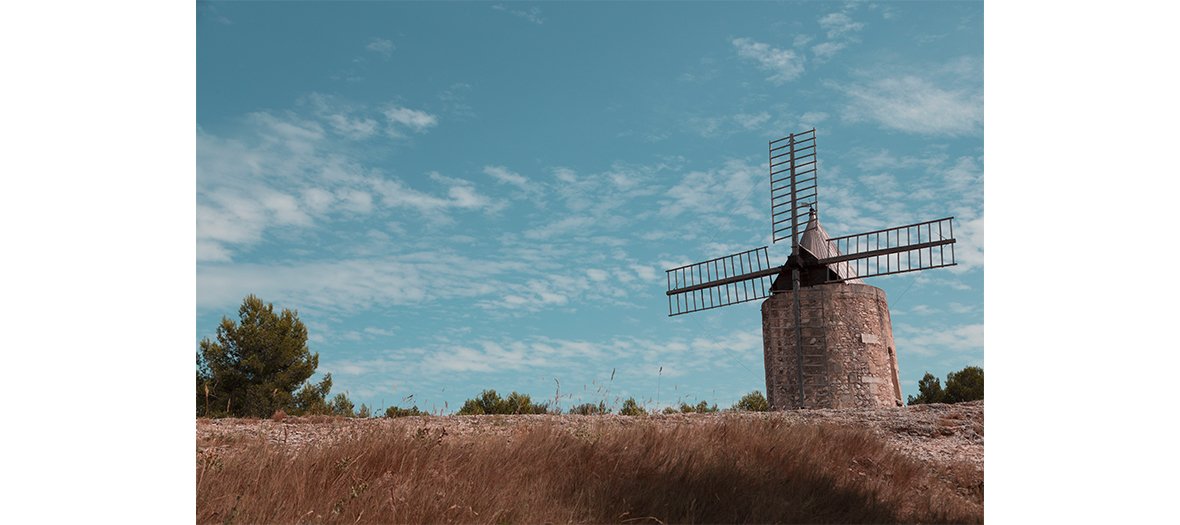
(704, 201)
(825, 51)
(454, 100)
(208, 12)
(941, 101)
(838, 24)
(932, 341)
(532, 15)
(293, 171)
(417, 121)
(381, 46)
(785, 63)
(503, 175)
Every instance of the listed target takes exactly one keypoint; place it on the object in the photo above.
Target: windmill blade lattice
(902, 249)
(737, 278)
(792, 184)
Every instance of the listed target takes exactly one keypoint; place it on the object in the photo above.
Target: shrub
(364, 412)
(702, 408)
(341, 406)
(589, 409)
(489, 402)
(752, 402)
(631, 408)
(402, 412)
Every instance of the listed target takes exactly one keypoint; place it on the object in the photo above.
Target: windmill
(827, 338)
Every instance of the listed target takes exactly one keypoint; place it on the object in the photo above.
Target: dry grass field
(715, 468)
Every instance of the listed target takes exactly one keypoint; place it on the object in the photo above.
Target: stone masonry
(849, 359)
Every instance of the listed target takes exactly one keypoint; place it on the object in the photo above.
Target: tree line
(260, 365)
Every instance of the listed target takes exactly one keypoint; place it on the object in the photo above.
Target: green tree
(589, 409)
(256, 364)
(402, 412)
(929, 391)
(342, 406)
(964, 385)
(631, 408)
(312, 398)
(752, 402)
(489, 402)
(701, 408)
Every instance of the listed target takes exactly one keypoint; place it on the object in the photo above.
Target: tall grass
(736, 470)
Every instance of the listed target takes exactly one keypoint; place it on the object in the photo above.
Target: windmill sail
(902, 249)
(792, 184)
(723, 281)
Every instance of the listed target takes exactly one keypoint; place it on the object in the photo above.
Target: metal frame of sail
(719, 275)
(938, 235)
(801, 161)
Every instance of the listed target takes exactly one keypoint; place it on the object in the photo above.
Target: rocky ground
(936, 434)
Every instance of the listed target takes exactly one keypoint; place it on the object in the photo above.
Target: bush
(312, 399)
(964, 385)
(631, 408)
(752, 402)
(489, 402)
(341, 406)
(701, 408)
(590, 409)
(402, 412)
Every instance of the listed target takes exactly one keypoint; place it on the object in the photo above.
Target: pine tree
(256, 365)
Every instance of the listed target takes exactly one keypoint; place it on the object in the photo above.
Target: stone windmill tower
(827, 338)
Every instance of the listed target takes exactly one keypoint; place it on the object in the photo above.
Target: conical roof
(816, 241)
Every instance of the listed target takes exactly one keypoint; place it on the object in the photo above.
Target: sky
(465, 196)
(115, 111)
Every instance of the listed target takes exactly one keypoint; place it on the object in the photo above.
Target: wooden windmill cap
(815, 240)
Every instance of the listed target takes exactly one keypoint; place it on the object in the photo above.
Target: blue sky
(468, 196)
(104, 151)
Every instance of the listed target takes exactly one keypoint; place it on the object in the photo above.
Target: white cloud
(784, 62)
(502, 175)
(532, 15)
(381, 46)
(341, 118)
(353, 284)
(567, 226)
(928, 341)
(752, 121)
(943, 101)
(294, 170)
(811, 118)
(827, 50)
(419, 121)
(839, 23)
(646, 273)
(715, 192)
(505, 176)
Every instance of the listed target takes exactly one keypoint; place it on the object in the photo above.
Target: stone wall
(849, 359)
